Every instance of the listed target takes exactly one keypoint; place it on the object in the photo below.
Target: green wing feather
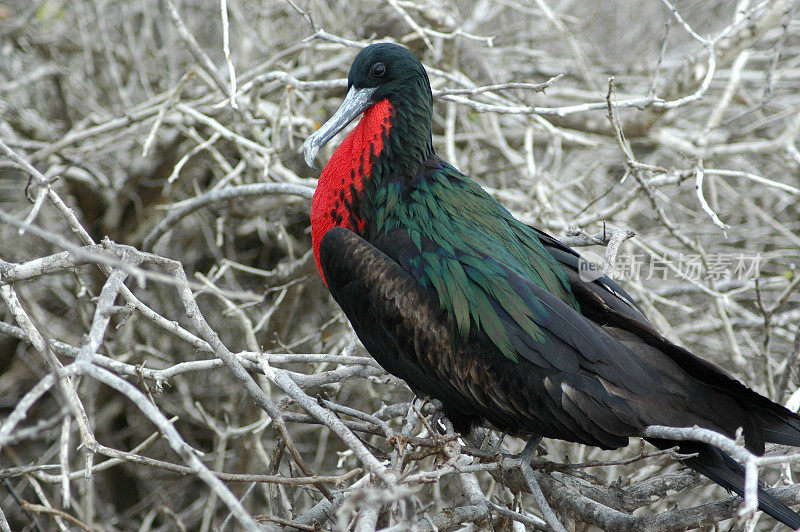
(473, 253)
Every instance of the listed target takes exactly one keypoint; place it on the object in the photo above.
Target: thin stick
(226, 49)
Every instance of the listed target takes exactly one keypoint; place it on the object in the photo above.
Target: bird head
(380, 71)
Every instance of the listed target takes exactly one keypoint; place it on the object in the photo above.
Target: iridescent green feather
(479, 248)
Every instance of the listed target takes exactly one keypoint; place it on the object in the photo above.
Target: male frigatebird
(449, 292)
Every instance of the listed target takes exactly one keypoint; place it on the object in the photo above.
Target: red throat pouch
(342, 179)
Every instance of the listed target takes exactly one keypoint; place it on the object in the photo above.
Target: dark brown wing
(602, 395)
(600, 403)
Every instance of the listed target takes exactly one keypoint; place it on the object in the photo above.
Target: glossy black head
(379, 72)
(391, 70)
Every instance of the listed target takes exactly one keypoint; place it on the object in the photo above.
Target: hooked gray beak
(356, 102)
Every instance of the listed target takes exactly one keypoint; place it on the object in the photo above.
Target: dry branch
(152, 241)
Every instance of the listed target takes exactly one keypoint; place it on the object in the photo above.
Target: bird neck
(390, 141)
(409, 142)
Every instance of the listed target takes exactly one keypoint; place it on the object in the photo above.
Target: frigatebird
(468, 305)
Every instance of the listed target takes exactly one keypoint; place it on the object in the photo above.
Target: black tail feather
(780, 426)
(728, 473)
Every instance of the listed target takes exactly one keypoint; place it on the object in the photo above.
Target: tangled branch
(168, 356)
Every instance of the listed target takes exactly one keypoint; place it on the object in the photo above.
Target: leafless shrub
(169, 358)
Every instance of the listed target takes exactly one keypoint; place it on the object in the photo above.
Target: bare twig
(233, 341)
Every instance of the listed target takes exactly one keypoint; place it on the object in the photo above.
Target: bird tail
(780, 425)
(728, 473)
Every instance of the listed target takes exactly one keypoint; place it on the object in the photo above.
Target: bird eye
(377, 70)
